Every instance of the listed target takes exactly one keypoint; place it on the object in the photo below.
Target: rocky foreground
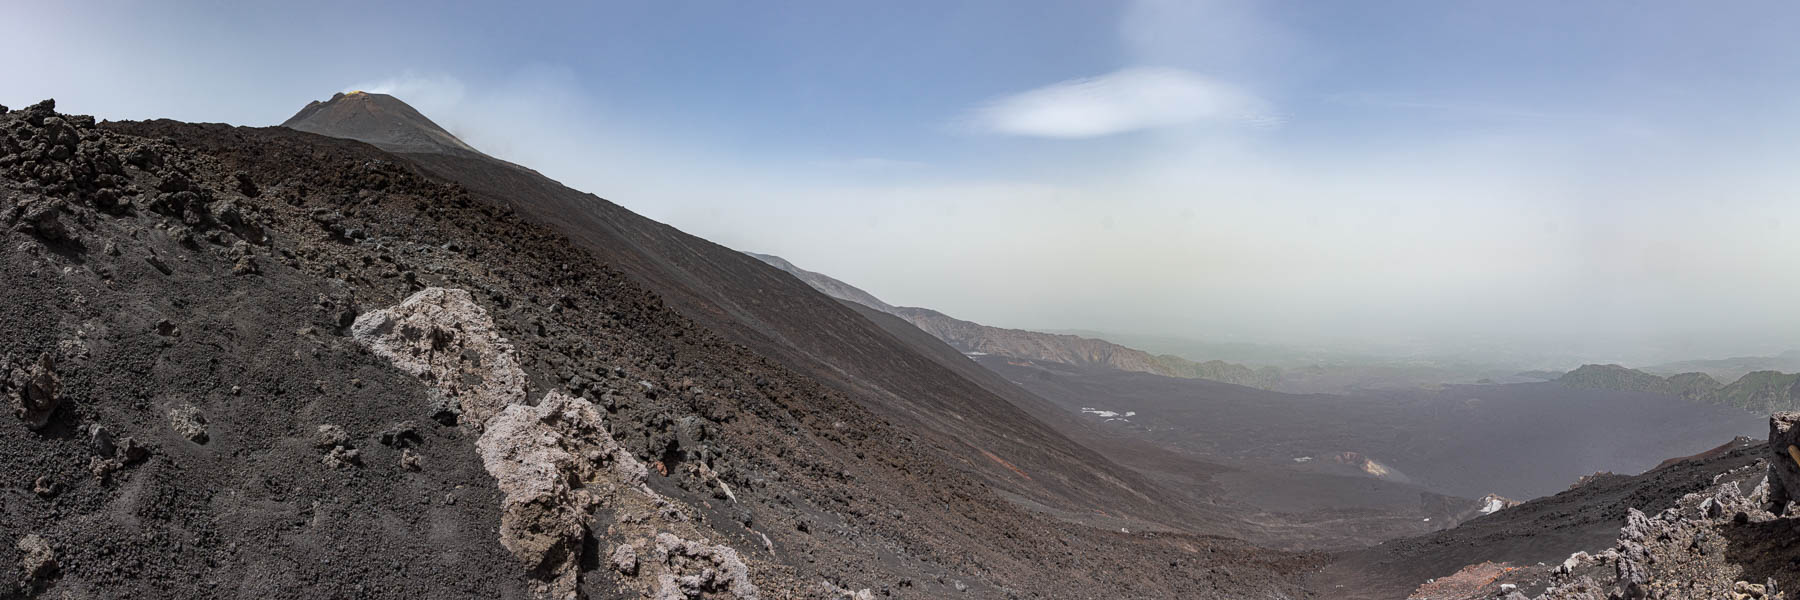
(1735, 539)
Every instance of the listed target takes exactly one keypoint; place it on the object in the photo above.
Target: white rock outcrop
(554, 462)
(444, 337)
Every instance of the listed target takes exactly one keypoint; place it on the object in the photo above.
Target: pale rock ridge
(711, 568)
(442, 336)
(545, 458)
(555, 462)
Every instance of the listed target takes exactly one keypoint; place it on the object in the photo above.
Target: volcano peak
(378, 119)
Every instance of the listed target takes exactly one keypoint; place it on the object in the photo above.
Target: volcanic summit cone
(378, 119)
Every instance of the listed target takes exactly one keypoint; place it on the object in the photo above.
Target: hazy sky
(1576, 174)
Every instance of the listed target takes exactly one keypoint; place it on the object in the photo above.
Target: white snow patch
(1493, 504)
(1301, 459)
(1109, 415)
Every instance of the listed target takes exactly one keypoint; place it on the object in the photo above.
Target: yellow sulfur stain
(1794, 453)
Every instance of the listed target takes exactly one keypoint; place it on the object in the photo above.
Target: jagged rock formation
(442, 336)
(1784, 459)
(690, 569)
(1730, 538)
(1683, 552)
(556, 463)
(1544, 530)
(536, 455)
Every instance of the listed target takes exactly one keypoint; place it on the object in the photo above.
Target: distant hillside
(1693, 386)
(974, 338)
(1218, 370)
(1616, 377)
(1762, 391)
(1757, 391)
(1728, 369)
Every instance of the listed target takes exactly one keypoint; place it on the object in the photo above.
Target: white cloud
(1127, 100)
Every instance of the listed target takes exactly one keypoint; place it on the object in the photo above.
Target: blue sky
(1243, 170)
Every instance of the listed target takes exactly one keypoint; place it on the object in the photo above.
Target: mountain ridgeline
(971, 337)
(1757, 391)
(974, 338)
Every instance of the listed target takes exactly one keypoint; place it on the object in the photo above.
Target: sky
(1599, 177)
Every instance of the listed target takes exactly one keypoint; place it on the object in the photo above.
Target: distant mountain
(974, 338)
(1616, 377)
(1727, 369)
(377, 119)
(1757, 391)
(1762, 391)
(1317, 368)
(1693, 385)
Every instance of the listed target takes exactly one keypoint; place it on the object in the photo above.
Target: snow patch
(1109, 415)
(1493, 504)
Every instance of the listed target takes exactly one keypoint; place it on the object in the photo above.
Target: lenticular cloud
(1126, 100)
